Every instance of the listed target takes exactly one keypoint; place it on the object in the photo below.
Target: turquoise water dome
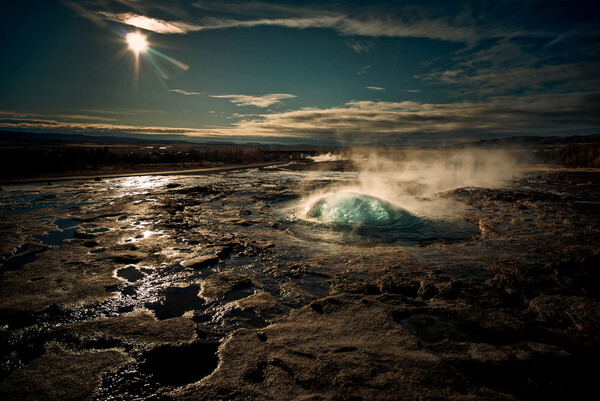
(355, 218)
(352, 208)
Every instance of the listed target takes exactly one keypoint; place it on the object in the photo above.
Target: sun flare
(137, 42)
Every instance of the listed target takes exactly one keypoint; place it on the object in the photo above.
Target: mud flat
(213, 287)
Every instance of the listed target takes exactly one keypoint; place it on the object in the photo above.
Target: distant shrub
(580, 155)
(22, 161)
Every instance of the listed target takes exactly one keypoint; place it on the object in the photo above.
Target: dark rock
(398, 284)
(61, 375)
(353, 285)
(219, 285)
(128, 257)
(201, 261)
(427, 290)
(582, 313)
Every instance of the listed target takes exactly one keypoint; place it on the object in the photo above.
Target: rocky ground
(183, 288)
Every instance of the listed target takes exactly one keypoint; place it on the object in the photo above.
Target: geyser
(352, 217)
(352, 208)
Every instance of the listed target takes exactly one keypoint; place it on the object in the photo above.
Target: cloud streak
(509, 65)
(391, 123)
(149, 24)
(257, 101)
(370, 26)
(359, 46)
(187, 93)
(468, 22)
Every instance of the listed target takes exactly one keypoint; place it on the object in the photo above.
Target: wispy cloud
(84, 117)
(513, 64)
(363, 70)
(79, 117)
(409, 122)
(257, 101)
(186, 93)
(468, 22)
(363, 122)
(369, 26)
(359, 46)
(148, 23)
(376, 88)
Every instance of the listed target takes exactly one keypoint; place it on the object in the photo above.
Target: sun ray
(177, 63)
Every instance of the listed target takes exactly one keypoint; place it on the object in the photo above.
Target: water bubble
(352, 208)
(351, 217)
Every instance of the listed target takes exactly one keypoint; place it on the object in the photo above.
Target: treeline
(31, 161)
(581, 155)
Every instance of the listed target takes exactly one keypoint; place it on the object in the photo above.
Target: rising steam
(413, 179)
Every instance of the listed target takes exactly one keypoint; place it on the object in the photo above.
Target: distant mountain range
(520, 142)
(60, 138)
(513, 142)
(18, 136)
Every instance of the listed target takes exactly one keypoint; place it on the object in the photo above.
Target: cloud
(147, 23)
(498, 80)
(376, 88)
(186, 93)
(369, 122)
(359, 46)
(84, 117)
(257, 101)
(507, 65)
(81, 117)
(363, 70)
(368, 26)
(244, 100)
(467, 22)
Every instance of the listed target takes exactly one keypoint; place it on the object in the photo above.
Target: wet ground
(221, 287)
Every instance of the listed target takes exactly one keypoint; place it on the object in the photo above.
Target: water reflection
(140, 184)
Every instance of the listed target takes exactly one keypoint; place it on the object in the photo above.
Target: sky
(395, 73)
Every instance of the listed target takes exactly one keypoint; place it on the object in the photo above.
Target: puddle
(82, 213)
(130, 273)
(66, 223)
(36, 206)
(32, 198)
(181, 365)
(18, 262)
(56, 238)
(72, 205)
(177, 301)
(96, 230)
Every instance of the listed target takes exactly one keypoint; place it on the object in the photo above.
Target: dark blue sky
(396, 73)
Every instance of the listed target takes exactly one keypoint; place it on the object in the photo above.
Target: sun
(137, 42)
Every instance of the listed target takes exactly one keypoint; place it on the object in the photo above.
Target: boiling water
(354, 208)
(348, 217)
